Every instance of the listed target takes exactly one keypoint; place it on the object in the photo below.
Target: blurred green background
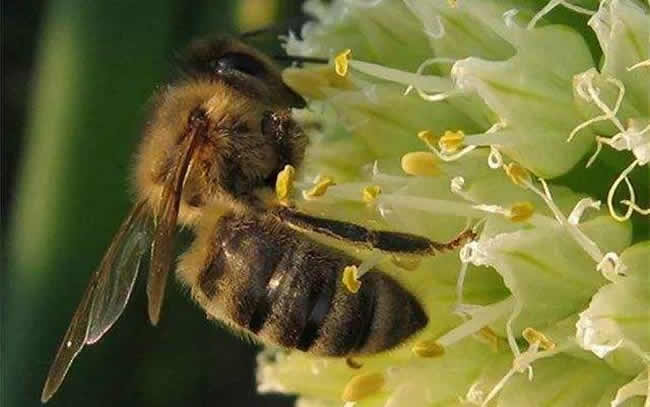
(76, 77)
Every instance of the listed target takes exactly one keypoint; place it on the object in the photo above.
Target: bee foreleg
(290, 141)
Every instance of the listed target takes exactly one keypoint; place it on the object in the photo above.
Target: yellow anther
(533, 336)
(341, 62)
(520, 211)
(428, 138)
(453, 3)
(406, 262)
(350, 280)
(428, 348)
(319, 189)
(362, 386)
(420, 163)
(518, 174)
(370, 193)
(451, 141)
(488, 336)
(284, 183)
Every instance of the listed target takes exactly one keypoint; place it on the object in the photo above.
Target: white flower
(485, 113)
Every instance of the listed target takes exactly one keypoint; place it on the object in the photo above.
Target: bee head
(241, 67)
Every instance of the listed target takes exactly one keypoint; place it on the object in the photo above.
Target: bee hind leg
(383, 240)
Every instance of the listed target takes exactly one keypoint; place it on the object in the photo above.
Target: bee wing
(162, 247)
(106, 296)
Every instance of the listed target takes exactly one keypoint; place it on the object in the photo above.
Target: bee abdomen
(287, 289)
(380, 316)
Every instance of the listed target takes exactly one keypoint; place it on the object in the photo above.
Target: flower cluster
(515, 119)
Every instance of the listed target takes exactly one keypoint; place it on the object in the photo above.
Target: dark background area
(76, 76)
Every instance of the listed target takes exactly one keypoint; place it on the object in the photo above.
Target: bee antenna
(292, 24)
(301, 60)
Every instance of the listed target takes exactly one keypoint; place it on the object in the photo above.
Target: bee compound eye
(236, 61)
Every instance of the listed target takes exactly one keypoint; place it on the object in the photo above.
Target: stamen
(533, 336)
(420, 163)
(509, 17)
(520, 211)
(488, 336)
(432, 97)
(585, 88)
(522, 363)
(599, 147)
(428, 348)
(611, 267)
(590, 338)
(350, 280)
(579, 209)
(639, 65)
(583, 240)
(413, 80)
(319, 189)
(284, 183)
(341, 62)
(551, 5)
(474, 395)
(480, 319)
(460, 283)
(639, 386)
(365, 4)
(518, 174)
(457, 186)
(362, 386)
(370, 193)
(635, 207)
(495, 160)
(451, 141)
(439, 33)
(435, 206)
(509, 334)
(612, 190)
(367, 265)
(352, 274)
(427, 137)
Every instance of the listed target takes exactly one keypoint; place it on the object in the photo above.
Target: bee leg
(387, 241)
(290, 141)
(353, 364)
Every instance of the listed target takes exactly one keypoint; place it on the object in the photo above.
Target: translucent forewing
(162, 248)
(106, 296)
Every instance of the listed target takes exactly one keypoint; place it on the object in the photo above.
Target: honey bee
(217, 138)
